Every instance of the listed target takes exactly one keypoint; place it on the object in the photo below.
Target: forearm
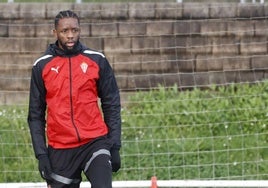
(37, 113)
(38, 137)
(112, 117)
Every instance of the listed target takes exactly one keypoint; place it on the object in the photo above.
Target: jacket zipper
(71, 100)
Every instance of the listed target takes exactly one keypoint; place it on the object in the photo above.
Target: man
(66, 83)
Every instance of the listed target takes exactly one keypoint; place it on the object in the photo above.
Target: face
(67, 33)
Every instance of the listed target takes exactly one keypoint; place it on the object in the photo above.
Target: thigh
(99, 172)
(65, 167)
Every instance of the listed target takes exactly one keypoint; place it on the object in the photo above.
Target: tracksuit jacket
(64, 92)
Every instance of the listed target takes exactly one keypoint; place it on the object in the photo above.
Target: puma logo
(55, 69)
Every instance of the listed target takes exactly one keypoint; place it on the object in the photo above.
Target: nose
(70, 34)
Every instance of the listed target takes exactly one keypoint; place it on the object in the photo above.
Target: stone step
(146, 81)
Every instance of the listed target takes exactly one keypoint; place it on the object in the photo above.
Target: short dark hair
(65, 14)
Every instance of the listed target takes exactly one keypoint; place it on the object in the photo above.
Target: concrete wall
(190, 44)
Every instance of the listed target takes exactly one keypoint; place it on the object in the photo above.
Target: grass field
(217, 133)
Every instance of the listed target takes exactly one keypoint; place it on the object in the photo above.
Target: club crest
(84, 67)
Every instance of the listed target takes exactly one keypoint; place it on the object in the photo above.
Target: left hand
(115, 159)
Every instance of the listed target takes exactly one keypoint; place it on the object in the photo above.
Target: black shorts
(68, 164)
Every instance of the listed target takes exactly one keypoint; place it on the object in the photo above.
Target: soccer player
(71, 133)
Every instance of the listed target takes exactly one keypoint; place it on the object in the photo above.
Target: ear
(54, 31)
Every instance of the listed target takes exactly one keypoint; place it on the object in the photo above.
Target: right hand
(45, 168)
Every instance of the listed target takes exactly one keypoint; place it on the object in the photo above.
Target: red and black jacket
(64, 93)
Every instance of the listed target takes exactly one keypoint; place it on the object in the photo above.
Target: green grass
(217, 133)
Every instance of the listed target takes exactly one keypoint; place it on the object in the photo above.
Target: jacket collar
(54, 50)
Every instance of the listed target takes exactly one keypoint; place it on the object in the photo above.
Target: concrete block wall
(188, 44)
